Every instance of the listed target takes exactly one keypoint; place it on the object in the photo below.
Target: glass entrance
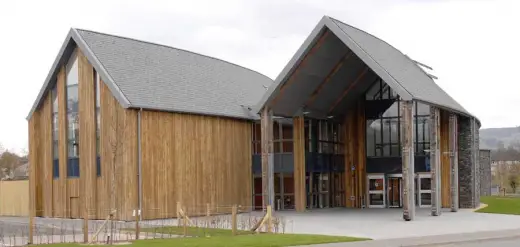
(424, 190)
(395, 190)
(376, 191)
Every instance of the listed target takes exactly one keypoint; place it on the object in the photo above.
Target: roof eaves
(57, 62)
(246, 116)
(291, 66)
(367, 58)
(100, 69)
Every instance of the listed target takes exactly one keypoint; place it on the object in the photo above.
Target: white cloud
(472, 45)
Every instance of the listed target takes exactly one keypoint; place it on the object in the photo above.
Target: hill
(490, 138)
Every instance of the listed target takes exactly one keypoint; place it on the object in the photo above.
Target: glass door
(324, 190)
(395, 190)
(376, 191)
(424, 190)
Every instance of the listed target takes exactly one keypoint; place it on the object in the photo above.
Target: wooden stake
(234, 220)
(269, 219)
(137, 229)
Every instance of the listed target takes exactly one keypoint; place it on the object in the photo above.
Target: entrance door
(376, 191)
(394, 191)
(424, 190)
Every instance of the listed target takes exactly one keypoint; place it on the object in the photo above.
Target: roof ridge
(175, 48)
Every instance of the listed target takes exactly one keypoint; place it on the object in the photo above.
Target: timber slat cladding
(194, 160)
(299, 163)
(33, 169)
(354, 148)
(118, 129)
(87, 134)
(46, 155)
(64, 203)
(445, 159)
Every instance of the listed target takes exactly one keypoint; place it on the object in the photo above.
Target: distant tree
(9, 161)
(513, 182)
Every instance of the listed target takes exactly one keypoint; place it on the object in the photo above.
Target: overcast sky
(473, 46)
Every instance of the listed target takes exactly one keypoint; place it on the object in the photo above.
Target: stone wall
(485, 172)
(469, 169)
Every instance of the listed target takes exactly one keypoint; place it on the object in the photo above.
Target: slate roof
(405, 71)
(157, 77)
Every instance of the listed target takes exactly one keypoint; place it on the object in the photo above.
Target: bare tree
(117, 126)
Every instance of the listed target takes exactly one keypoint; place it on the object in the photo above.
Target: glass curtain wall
(72, 116)
(383, 131)
(55, 135)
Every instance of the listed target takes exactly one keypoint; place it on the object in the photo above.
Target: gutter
(139, 165)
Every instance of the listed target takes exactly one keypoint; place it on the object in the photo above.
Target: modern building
(349, 122)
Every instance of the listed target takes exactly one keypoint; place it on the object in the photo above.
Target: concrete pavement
(478, 239)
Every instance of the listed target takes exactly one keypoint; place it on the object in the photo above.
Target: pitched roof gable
(400, 72)
(156, 77)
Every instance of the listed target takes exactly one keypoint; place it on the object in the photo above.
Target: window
(383, 134)
(55, 135)
(72, 116)
(98, 122)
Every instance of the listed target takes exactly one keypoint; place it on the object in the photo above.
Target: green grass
(256, 240)
(193, 231)
(500, 205)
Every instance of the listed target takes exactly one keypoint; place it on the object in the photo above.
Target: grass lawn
(256, 240)
(500, 205)
(223, 238)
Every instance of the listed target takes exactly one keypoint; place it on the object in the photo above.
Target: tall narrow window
(55, 138)
(98, 122)
(72, 116)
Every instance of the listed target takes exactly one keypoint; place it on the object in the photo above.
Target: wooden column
(408, 160)
(299, 163)
(361, 155)
(435, 160)
(454, 163)
(267, 158)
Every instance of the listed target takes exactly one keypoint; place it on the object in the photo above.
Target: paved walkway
(388, 223)
(450, 240)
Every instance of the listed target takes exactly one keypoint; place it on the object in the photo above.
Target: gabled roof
(400, 72)
(156, 77)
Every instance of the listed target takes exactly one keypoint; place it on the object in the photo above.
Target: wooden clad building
(144, 124)
(349, 122)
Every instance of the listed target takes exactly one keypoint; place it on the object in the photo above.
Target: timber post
(408, 161)
(435, 160)
(267, 158)
(454, 163)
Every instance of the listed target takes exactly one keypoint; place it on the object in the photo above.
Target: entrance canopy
(337, 64)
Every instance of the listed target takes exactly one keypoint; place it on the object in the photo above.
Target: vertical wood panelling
(87, 137)
(445, 159)
(194, 160)
(118, 140)
(46, 154)
(354, 149)
(62, 143)
(34, 197)
(299, 163)
(360, 152)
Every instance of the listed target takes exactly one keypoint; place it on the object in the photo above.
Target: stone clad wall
(485, 172)
(469, 169)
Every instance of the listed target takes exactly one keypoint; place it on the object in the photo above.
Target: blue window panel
(73, 167)
(98, 166)
(56, 168)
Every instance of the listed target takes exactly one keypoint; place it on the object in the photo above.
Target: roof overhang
(328, 73)
(319, 80)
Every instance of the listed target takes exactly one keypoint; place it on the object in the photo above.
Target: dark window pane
(426, 184)
(376, 199)
(376, 184)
